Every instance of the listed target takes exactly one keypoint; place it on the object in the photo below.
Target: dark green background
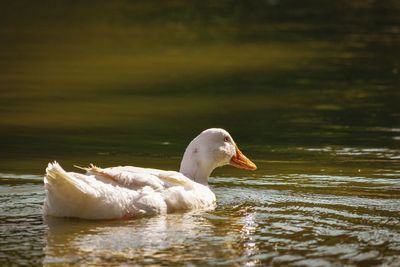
(308, 89)
(79, 79)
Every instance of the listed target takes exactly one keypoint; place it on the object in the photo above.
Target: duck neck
(195, 165)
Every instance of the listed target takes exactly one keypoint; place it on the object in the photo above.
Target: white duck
(128, 192)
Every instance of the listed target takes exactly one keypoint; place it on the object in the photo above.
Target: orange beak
(241, 161)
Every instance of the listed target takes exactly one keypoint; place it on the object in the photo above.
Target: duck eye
(226, 139)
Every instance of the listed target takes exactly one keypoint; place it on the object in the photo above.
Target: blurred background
(308, 89)
(117, 81)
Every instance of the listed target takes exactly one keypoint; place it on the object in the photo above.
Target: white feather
(128, 192)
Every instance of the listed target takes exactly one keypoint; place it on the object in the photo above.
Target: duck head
(212, 148)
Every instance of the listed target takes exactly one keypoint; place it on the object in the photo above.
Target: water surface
(309, 90)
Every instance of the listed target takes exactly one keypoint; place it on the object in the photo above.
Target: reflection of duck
(160, 240)
(127, 192)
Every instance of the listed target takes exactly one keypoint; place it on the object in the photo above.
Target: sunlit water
(333, 216)
(310, 91)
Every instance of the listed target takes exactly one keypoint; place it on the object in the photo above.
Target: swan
(126, 192)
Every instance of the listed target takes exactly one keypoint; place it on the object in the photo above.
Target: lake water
(309, 90)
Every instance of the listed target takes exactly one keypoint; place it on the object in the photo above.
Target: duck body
(121, 192)
(129, 192)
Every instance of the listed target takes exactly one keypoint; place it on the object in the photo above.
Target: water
(309, 91)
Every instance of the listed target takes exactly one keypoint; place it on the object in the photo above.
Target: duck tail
(64, 191)
(57, 177)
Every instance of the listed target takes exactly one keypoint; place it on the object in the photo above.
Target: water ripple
(285, 219)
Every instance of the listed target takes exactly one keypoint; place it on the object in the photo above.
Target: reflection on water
(298, 219)
(145, 240)
(288, 227)
(170, 239)
(310, 90)
(21, 224)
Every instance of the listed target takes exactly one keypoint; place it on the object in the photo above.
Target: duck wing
(178, 191)
(137, 178)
